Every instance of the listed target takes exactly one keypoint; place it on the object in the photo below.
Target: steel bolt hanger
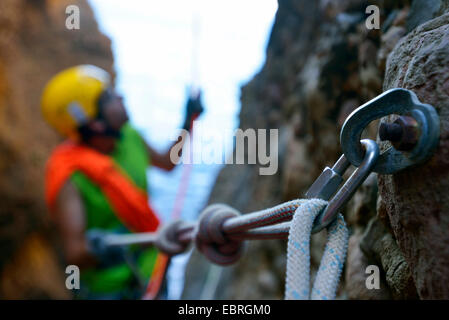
(395, 101)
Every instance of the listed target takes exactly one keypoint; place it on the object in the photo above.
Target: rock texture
(34, 45)
(416, 200)
(322, 62)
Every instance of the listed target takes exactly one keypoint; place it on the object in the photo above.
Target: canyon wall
(34, 45)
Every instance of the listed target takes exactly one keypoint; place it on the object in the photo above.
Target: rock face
(322, 63)
(34, 45)
(416, 200)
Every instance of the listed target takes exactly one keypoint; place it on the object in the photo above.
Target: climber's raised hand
(193, 109)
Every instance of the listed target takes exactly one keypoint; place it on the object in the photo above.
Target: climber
(96, 181)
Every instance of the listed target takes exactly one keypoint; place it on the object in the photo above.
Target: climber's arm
(168, 160)
(163, 160)
(70, 220)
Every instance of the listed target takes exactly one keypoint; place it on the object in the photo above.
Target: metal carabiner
(324, 187)
(395, 101)
(329, 181)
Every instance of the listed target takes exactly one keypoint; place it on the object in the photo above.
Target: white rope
(298, 255)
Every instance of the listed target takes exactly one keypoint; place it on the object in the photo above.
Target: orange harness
(129, 202)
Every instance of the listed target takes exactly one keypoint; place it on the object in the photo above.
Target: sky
(153, 44)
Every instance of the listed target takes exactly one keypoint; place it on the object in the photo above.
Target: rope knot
(167, 239)
(210, 238)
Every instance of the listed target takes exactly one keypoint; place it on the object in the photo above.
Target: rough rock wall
(322, 62)
(417, 200)
(34, 45)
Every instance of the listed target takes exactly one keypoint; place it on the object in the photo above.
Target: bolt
(402, 133)
(390, 132)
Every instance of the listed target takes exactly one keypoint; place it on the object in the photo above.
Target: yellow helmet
(70, 98)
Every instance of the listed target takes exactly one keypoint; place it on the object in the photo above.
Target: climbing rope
(298, 255)
(162, 262)
(155, 283)
(221, 230)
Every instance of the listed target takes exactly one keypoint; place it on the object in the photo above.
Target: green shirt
(131, 155)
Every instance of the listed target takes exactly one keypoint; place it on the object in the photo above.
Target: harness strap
(130, 203)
